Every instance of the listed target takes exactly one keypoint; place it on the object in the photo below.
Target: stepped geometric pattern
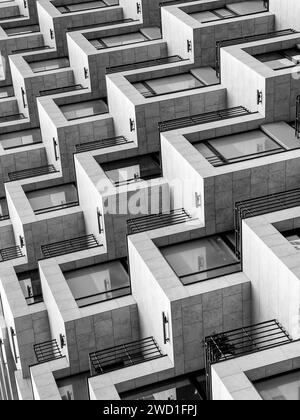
(149, 199)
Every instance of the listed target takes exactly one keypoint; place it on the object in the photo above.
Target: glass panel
(52, 197)
(125, 39)
(74, 387)
(177, 390)
(132, 170)
(22, 30)
(85, 6)
(22, 138)
(174, 83)
(283, 387)
(47, 65)
(84, 109)
(203, 17)
(247, 7)
(201, 259)
(97, 283)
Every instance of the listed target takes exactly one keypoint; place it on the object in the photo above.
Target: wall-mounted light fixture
(166, 330)
(22, 243)
(25, 4)
(23, 97)
(86, 72)
(62, 340)
(189, 45)
(132, 125)
(259, 97)
(55, 149)
(138, 8)
(198, 200)
(51, 33)
(99, 216)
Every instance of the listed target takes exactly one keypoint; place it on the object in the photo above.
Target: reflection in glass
(58, 197)
(282, 387)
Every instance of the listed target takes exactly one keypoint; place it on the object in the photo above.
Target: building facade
(149, 200)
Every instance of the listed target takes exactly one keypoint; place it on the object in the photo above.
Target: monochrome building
(149, 200)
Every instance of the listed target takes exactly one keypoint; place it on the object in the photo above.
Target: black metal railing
(32, 49)
(125, 355)
(204, 118)
(101, 25)
(242, 341)
(157, 221)
(62, 89)
(144, 64)
(10, 253)
(297, 120)
(246, 39)
(4, 217)
(12, 117)
(32, 172)
(259, 206)
(69, 245)
(47, 351)
(101, 144)
(58, 207)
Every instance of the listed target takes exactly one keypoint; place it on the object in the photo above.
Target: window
(203, 259)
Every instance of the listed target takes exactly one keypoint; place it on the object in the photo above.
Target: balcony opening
(84, 109)
(231, 11)
(239, 147)
(4, 214)
(203, 259)
(30, 283)
(195, 79)
(143, 35)
(184, 388)
(87, 5)
(22, 30)
(49, 65)
(20, 139)
(99, 283)
(53, 198)
(74, 387)
(281, 59)
(133, 170)
(285, 387)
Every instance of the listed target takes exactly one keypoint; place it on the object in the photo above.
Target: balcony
(144, 64)
(49, 65)
(243, 341)
(101, 144)
(99, 283)
(262, 205)
(157, 221)
(85, 6)
(31, 173)
(246, 39)
(30, 283)
(100, 25)
(4, 214)
(205, 118)
(12, 117)
(125, 355)
(47, 351)
(230, 11)
(133, 170)
(22, 30)
(54, 198)
(84, 109)
(20, 139)
(10, 253)
(61, 89)
(203, 259)
(280, 59)
(69, 246)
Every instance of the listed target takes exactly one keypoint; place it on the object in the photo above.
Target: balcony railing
(205, 118)
(144, 64)
(157, 221)
(47, 351)
(297, 121)
(240, 342)
(62, 89)
(262, 205)
(125, 355)
(58, 207)
(69, 246)
(246, 39)
(30, 173)
(10, 253)
(101, 144)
